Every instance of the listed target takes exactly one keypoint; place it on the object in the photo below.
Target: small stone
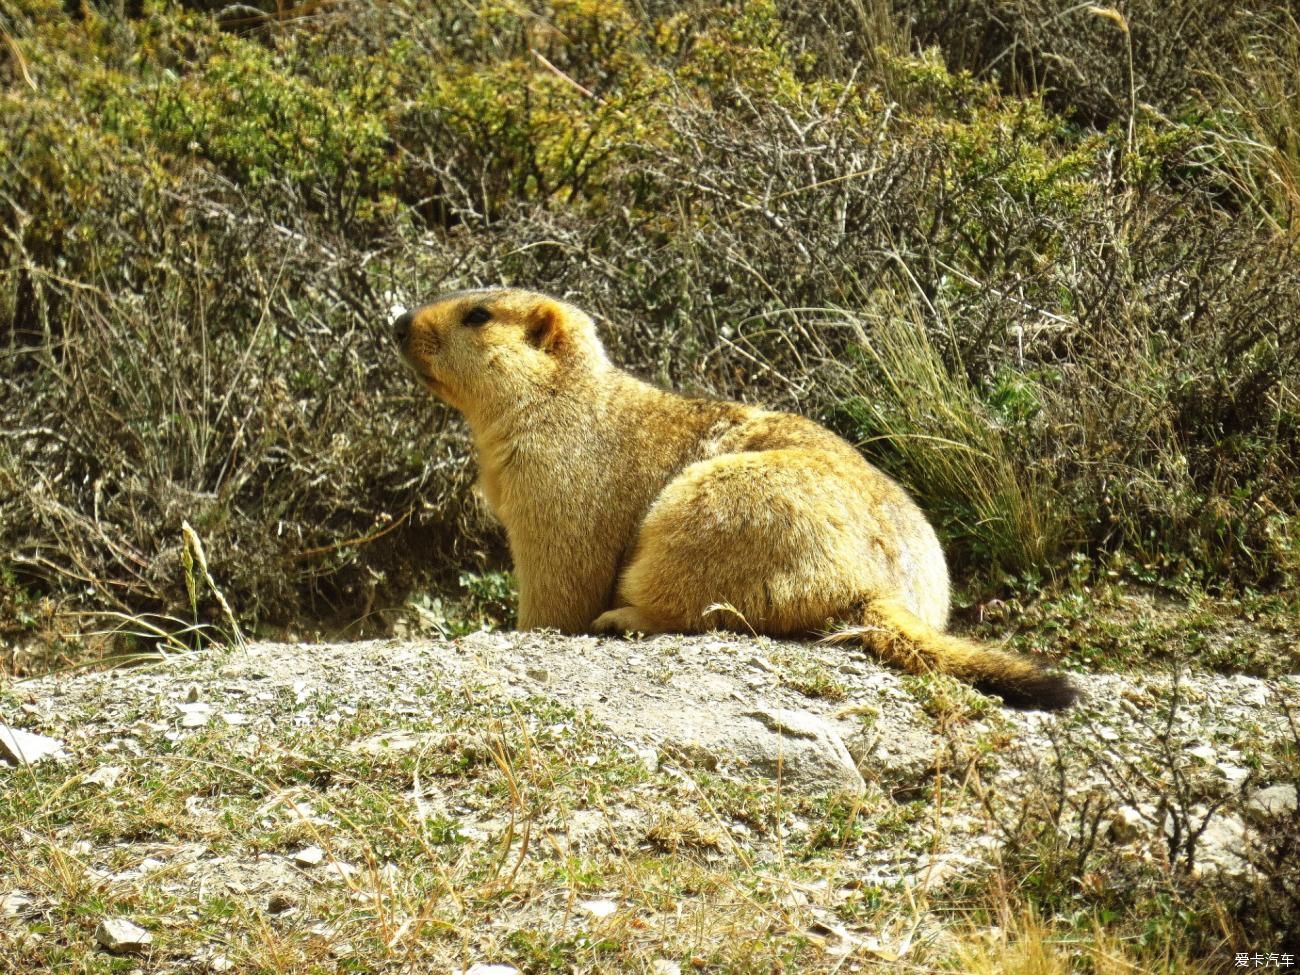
(220, 963)
(649, 758)
(662, 966)
(479, 968)
(119, 936)
(1234, 774)
(1204, 752)
(20, 747)
(1275, 800)
(1220, 847)
(15, 903)
(338, 870)
(539, 674)
(192, 694)
(388, 742)
(195, 715)
(105, 776)
(599, 908)
(309, 856)
(280, 903)
(235, 718)
(1127, 824)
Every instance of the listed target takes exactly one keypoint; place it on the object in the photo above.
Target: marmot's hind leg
(739, 542)
(628, 619)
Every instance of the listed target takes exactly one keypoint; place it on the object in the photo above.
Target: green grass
(931, 428)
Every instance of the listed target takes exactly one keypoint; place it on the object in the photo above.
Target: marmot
(628, 508)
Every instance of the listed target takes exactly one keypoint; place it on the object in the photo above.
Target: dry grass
(1260, 148)
(940, 437)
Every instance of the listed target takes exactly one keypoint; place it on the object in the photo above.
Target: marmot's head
(484, 350)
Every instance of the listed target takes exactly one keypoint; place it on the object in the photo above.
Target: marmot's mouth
(420, 371)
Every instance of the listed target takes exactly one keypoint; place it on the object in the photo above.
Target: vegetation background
(1038, 258)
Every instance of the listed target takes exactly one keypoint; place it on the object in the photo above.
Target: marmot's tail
(898, 637)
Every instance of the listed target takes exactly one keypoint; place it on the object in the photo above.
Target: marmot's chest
(541, 489)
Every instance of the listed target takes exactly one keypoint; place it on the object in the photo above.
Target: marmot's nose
(402, 327)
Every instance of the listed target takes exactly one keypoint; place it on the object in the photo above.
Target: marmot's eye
(476, 316)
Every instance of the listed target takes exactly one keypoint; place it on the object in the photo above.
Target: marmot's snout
(402, 328)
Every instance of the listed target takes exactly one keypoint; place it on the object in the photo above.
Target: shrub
(202, 234)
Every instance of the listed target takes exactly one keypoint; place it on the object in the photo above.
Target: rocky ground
(520, 800)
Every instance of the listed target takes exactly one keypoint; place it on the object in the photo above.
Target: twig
(564, 77)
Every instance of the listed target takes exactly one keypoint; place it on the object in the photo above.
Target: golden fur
(628, 508)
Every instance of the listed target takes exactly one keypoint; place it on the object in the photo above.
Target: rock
(898, 756)
(804, 749)
(390, 742)
(1220, 846)
(309, 856)
(20, 747)
(195, 714)
(120, 936)
(479, 968)
(15, 903)
(1275, 800)
(1205, 753)
(1127, 825)
(337, 870)
(599, 908)
(280, 903)
(105, 776)
(1234, 774)
(662, 966)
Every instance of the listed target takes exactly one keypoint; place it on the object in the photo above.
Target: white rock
(479, 968)
(1254, 692)
(105, 776)
(195, 715)
(1204, 752)
(1220, 847)
(15, 903)
(1235, 774)
(20, 747)
(1128, 824)
(309, 856)
(338, 870)
(1275, 800)
(662, 966)
(805, 749)
(599, 908)
(121, 937)
(388, 742)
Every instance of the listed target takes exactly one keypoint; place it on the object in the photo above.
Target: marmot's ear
(545, 326)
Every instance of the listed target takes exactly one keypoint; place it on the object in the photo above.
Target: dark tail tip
(1043, 691)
